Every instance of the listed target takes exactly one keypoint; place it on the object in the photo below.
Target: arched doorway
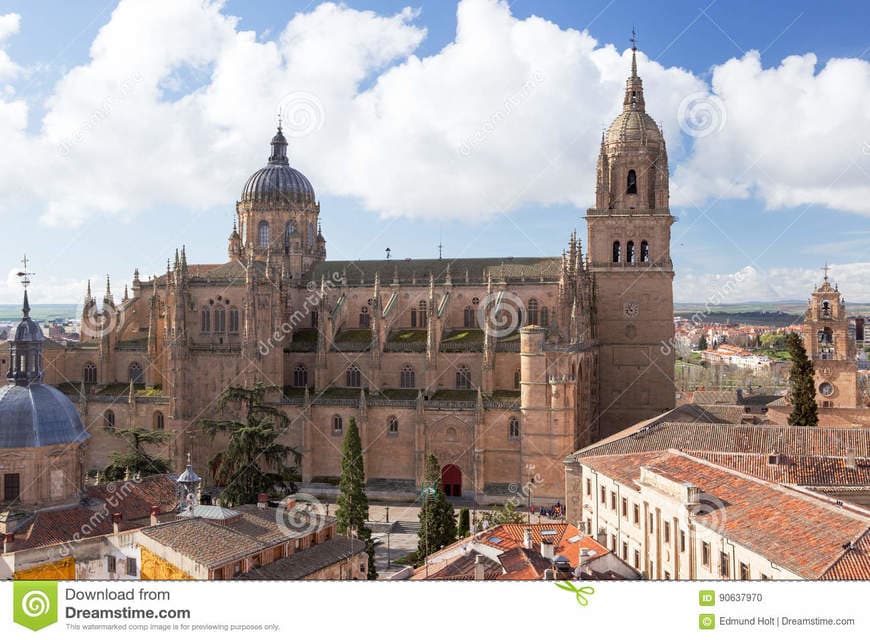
(451, 480)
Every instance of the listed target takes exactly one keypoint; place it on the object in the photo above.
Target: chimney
(693, 494)
(549, 574)
(850, 459)
(547, 548)
(155, 511)
(527, 538)
(262, 500)
(8, 542)
(479, 569)
(116, 522)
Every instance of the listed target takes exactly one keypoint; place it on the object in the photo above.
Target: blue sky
(755, 225)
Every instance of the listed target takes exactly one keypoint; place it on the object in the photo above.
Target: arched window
(513, 428)
(533, 311)
(234, 320)
(337, 426)
(158, 421)
(352, 376)
(365, 320)
(631, 185)
(263, 234)
(413, 318)
(517, 377)
(220, 320)
(310, 235)
(109, 419)
(617, 251)
(393, 426)
(545, 317)
(205, 321)
(463, 377)
(826, 344)
(300, 376)
(135, 374)
(629, 252)
(421, 315)
(407, 377)
(469, 321)
(89, 373)
(289, 230)
(644, 251)
(826, 309)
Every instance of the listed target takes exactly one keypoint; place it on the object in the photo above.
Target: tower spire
(633, 86)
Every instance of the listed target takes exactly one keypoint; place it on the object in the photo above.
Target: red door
(451, 480)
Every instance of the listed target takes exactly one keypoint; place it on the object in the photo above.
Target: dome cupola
(278, 182)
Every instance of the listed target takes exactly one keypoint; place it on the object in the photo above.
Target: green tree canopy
(437, 519)
(802, 391)
(136, 458)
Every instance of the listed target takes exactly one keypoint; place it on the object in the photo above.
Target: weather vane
(826, 268)
(25, 275)
(633, 38)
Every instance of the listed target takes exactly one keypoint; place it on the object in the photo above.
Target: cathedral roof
(37, 415)
(634, 124)
(278, 181)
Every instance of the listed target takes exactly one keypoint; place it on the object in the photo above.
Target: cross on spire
(633, 39)
(25, 274)
(826, 268)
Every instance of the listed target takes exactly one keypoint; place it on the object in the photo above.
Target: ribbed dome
(634, 126)
(37, 415)
(28, 331)
(278, 181)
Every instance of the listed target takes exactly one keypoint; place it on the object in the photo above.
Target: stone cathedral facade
(499, 366)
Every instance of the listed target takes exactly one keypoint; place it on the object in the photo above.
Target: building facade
(498, 366)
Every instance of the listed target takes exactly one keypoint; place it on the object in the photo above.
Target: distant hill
(39, 312)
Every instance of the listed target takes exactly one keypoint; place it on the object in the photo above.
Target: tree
(702, 343)
(802, 387)
(253, 460)
(464, 522)
(353, 504)
(507, 514)
(136, 459)
(437, 520)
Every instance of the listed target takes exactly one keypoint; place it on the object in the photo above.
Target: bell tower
(831, 349)
(629, 236)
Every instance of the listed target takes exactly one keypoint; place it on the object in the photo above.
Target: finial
(633, 53)
(108, 286)
(25, 274)
(188, 453)
(826, 268)
(633, 39)
(280, 120)
(25, 308)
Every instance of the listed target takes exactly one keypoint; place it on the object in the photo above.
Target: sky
(129, 129)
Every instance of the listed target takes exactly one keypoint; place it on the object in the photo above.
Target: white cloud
(51, 290)
(791, 136)
(10, 23)
(751, 284)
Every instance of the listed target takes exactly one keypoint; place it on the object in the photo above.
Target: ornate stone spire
(633, 86)
(279, 148)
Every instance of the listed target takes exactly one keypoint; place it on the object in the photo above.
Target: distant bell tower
(831, 348)
(629, 237)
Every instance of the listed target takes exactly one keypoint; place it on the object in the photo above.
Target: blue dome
(278, 181)
(37, 415)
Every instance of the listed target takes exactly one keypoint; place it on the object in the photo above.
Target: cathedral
(499, 366)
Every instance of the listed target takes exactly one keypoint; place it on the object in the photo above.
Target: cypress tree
(802, 391)
(464, 522)
(702, 343)
(437, 520)
(353, 504)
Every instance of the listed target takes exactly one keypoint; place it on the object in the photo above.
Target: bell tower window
(617, 252)
(263, 234)
(629, 252)
(631, 183)
(644, 251)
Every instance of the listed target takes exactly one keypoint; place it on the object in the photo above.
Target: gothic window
(158, 421)
(234, 320)
(220, 320)
(421, 316)
(352, 376)
(89, 374)
(407, 377)
(629, 252)
(617, 251)
(517, 375)
(300, 376)
(310, 234)
(533, 311)
(364, 318)
(393, 426)
(413, 318)
(644, 251)
(468, 318)
(205, 321)
(514, 429)
(545, 317)
(135, 374)
(263, 234)
(826, 309)
(289, 230)
(109, 419)
(337, 425)
(463, 378)
(631, 186)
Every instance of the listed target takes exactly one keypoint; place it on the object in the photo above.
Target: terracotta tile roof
(801, 470)
(204, 542)
(733, 438)
(304, 563)
(523, 564)
(853, 565)
(134, 499)
(567, 539)
(459, 567)
(796, 531)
